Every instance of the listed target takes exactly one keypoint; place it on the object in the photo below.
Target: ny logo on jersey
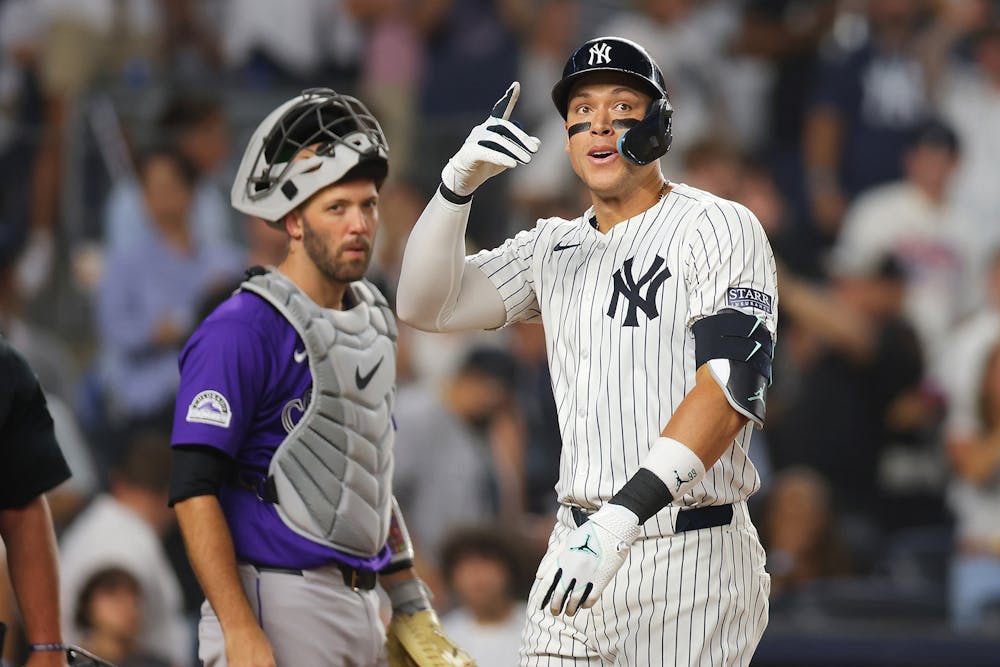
(600, 53)
(628, 287)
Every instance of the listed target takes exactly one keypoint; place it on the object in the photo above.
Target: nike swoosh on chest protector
(363, 380)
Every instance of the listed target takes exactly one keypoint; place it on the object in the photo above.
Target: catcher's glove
(416, 640)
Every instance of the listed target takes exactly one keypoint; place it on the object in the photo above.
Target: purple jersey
(245, 382)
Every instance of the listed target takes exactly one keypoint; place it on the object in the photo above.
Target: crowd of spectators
(864, 135)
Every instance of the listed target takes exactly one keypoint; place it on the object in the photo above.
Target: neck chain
(663, 190)
(659, 196)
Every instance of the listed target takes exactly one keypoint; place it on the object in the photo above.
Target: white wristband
(675, 464)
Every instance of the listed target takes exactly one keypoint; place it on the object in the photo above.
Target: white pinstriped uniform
(700, 597)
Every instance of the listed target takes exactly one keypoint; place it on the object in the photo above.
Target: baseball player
(659, 305)
(283, 428)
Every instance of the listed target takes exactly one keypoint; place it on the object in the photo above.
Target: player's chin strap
(649, 139)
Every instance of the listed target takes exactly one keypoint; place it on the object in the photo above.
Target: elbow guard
(739, 351)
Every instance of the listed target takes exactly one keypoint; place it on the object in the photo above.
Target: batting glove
(493, 146)
(588, 559)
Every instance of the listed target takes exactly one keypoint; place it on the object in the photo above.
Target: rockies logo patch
(210, 407)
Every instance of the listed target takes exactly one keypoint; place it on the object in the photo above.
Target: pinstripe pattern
(607, 424)
(617, 376)
(696, 599)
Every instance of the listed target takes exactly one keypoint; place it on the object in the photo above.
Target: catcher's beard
(328, 260)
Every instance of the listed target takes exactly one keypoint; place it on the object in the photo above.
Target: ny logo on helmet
(628, 287)
(600, 53)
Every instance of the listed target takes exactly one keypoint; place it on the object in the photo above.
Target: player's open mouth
(602, 154)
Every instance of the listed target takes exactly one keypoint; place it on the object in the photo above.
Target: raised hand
(492, 146)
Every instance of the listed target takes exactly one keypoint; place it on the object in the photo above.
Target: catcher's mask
(311, 141)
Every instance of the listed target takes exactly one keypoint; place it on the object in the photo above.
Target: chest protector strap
(331, 476)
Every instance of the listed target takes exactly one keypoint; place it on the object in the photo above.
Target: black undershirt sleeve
(198, 470)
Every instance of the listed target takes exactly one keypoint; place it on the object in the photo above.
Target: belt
(695, 518)
(355, 578)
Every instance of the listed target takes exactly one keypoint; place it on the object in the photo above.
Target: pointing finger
(505, 104)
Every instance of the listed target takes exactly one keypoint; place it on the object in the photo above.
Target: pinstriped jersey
(618, 309)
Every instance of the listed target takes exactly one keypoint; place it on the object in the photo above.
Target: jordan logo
(680, 482)
(628, 287)
(600, 53)
(363, 380)
(757, 395)
(585, 547)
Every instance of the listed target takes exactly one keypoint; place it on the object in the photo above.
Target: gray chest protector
(332, 474)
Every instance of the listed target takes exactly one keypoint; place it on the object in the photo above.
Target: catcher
(283, 430)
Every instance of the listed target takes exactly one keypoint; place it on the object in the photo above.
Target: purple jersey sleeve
(223, 369)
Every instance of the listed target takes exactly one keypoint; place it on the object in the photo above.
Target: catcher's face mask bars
(323, 121)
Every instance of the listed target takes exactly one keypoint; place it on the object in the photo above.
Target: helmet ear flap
(650, 138)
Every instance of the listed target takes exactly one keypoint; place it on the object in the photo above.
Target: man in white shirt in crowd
(123, 529)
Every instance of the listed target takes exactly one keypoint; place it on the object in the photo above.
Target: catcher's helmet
(610, 54)
(345, 140)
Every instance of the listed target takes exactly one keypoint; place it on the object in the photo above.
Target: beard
(329, 260)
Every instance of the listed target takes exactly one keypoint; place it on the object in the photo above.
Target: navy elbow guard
(739, 351)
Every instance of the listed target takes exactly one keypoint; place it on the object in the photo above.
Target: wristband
(644, 493)
(675, 464)
(55, 646)
(453, 196)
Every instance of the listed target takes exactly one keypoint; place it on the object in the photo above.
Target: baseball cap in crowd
(492, 362)
(934, 133)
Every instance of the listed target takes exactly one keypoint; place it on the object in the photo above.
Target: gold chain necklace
(663, 190)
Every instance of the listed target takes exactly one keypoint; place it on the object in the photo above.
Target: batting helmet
(344, 140)
(610, 54)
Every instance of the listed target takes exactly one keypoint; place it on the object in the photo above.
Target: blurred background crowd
(864, 134)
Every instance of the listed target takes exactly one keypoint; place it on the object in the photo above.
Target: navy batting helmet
(610, 54)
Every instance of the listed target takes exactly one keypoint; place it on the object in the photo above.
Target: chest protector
(332, 475)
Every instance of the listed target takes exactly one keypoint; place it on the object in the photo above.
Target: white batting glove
(588, 559)
(492, 146)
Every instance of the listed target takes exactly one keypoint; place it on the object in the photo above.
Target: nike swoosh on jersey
(363, 380)
(299, 356)
(560, 246)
